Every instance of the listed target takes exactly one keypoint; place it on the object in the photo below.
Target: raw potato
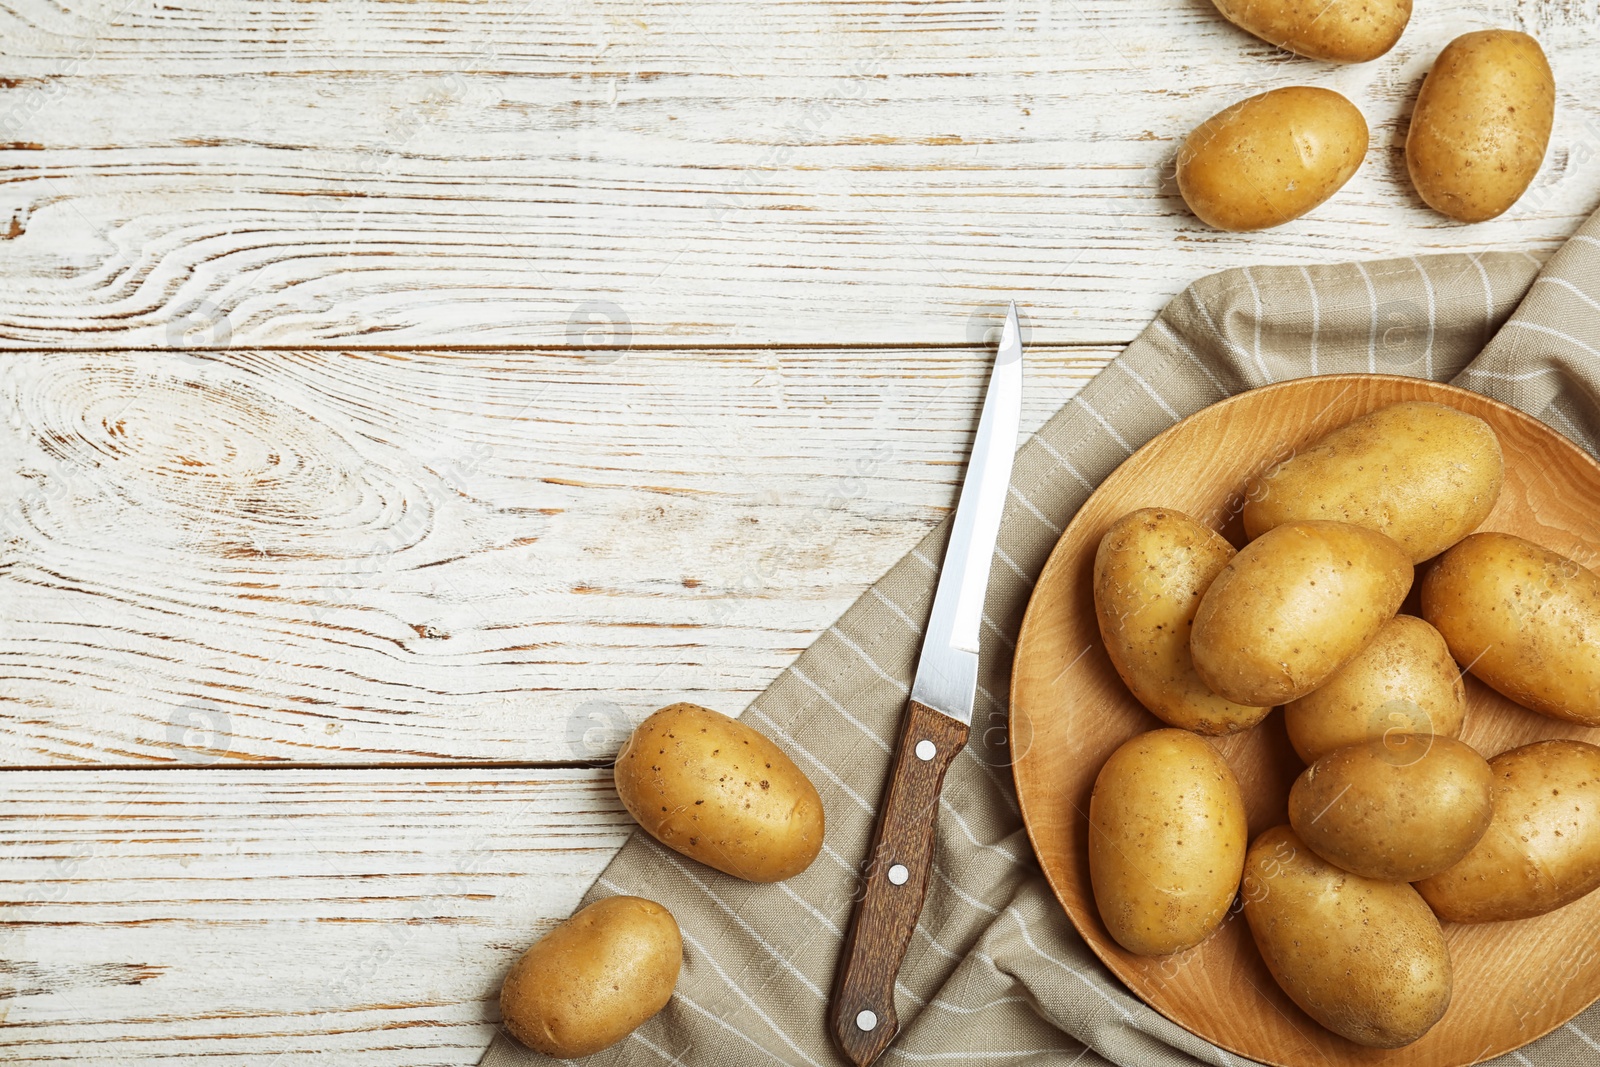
(721, 793)
(1150, 571)
(594, 979)
(1425, 474)
(1481, 125)
(1404, 682)
(1294, 606)
(1271, 158)
(1542, 850)
(1398, 808)
(1523, 619)
(1364, 958)
(1343, 31)
(1167, 836)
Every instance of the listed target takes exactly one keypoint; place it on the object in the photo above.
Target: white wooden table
(404, 397)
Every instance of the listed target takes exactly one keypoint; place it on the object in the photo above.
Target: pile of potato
(1395, 824)
(709, 787)
(1478, 134)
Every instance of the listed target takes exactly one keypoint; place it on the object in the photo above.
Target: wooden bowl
(1513, 981)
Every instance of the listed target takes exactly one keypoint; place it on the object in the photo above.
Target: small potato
(1294, 606)
(1404, 682)
(1167, 834)
(1364, 958)
(594, 979)
(1272, 158)
(1542, 850)
(1424, 474)
(1340, 31)
(1481, 124)
(1150, 571)
(1524, 620)
(1399, 808)
(721, 793)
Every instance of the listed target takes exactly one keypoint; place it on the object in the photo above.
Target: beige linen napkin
(995, 973)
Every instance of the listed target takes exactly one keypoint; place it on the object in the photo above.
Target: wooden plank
(371, 557)
(281, 917)
(436, 173)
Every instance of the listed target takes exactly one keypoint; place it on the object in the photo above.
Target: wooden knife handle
(895, 882)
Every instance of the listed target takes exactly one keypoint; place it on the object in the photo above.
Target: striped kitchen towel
(996, 974)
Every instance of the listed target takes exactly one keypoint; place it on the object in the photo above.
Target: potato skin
(1542, 850)
(1404, 682)
(1524, 620)
(1150, 571)
(1294, 606)
(1425, 474)
(1344, 31)
(1481, 124)
(1397, 808)
(1364, 958)
(1271, 158)
(592, 980)
(721, 793)
(1167, 836)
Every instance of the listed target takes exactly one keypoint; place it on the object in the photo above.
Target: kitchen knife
(933, 730)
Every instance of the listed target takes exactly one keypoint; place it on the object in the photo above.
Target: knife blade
(933, 729)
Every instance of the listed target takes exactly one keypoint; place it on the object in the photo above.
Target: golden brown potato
(1364, 958)
(1272, 158)
(1524, 620)
(1167, 835)
(1404, 682)
(1150, 571)
(1340, 31)
(1481, 124)
(592, 980)
(1398, 808)
(1294, 606)
(1542, 850)
(1424, 474)
(721, 793)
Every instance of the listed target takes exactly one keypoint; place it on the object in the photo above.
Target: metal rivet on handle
(898, 874)
(925, 750)
(866, 1021)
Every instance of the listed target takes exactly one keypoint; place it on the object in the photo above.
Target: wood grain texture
(376, 557)
(1513, 981)
(284, 917)
(216, 174)
(886, 914)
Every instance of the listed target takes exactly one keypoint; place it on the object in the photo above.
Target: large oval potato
(1294, 606)
(1271, 158)
(1404, 682)
(1424, 474)
(721, 793)
(1398, 808)
(1524, 620)
(593, 979)
(1364, 958)
(1150, 570)
(1482, 124)
(1167, 835)
(1542, 850)
(1340, 31)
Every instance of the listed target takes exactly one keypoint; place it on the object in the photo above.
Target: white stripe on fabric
(1255, 293)
(1211, 323)
(746, 1038)
(1104, 425)
(1033, 510)
(930, 1057)
(1006, 639)
(1139, 380)
(1189, 353)
(1372, 329)
(1587, 1040)
(963, 894)
(911, 623)
(1502, 376)
(742, 995)
(1427, 287)
(956, 1009)
(1579, 293)
(1316, 316)
(1022, 928)
(868, 660)
(838, 707)
(1578, 433)
(809, 758)
(1065, 462)
(1567, 337)
(1488, 293)
(638, 1035)
(1016, 568)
